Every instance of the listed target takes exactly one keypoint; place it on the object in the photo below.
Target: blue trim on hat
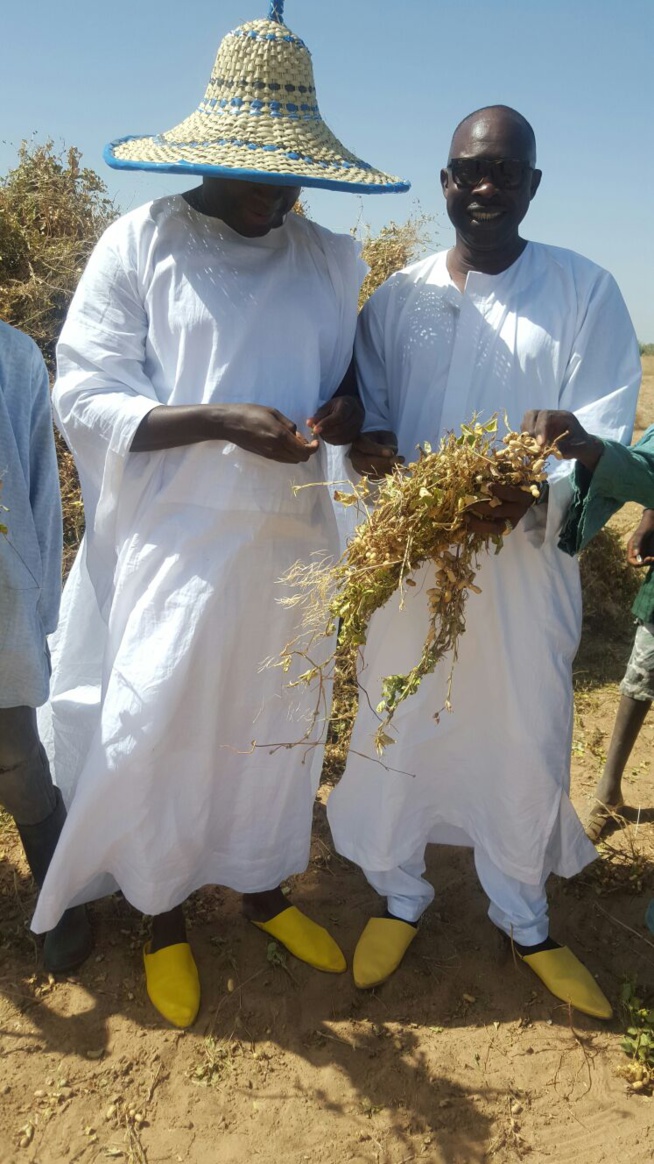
(253, 106)
(254, 34)
(268, 147)
(263, 176)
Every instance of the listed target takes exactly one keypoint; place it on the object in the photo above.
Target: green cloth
(622, 474)
(643, 606)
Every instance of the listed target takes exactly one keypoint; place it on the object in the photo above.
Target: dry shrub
(396, 245)
(52, 212)
(609, 586)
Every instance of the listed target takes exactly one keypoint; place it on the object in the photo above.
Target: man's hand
(547, 425)
(374, 454)
(640, 547)
(485, 518)
(338, 421)
(266, 432)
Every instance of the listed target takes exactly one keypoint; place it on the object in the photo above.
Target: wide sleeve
(102, 390)
(622, 474)
(370, 362)
(45, 499)
(600, 382)
(603, 372)
(626, 474)
(346, 270)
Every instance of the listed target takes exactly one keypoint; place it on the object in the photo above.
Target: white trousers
(518, 909)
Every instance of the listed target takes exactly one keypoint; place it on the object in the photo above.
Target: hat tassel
(276, 12)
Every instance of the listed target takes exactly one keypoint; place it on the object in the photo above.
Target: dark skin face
(487, 218)
(252, 209)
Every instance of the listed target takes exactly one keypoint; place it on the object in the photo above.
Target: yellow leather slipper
(173, 983)
(380, 949)
(565, 976)
(305, 940)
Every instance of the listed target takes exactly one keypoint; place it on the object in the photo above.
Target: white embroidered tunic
(173, 604)
(550, 332)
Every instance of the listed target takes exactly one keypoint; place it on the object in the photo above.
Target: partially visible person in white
(30, 589)
(496, 324)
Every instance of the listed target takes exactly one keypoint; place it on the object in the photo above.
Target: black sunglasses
(505, 173)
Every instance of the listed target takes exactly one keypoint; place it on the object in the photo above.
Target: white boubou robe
(551, 332)
(173, 603)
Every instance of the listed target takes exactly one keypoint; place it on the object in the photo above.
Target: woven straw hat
(259, 120)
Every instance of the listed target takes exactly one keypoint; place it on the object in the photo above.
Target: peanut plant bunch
(417, 514)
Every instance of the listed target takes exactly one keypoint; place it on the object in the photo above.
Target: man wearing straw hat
(495, 324)
(207, 331)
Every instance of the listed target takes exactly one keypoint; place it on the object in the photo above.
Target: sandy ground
(462, 1057)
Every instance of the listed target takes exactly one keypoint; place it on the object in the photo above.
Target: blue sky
(393, 79)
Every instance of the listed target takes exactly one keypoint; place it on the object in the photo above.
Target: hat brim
(156, 154)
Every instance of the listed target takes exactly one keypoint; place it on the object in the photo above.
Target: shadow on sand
(377, 1051)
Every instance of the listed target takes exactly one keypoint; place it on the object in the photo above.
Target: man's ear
(445, 180)
(535, 183)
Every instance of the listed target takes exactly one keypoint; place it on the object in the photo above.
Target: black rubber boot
(71, 941)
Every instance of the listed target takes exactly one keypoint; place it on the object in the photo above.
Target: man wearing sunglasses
(496, 324)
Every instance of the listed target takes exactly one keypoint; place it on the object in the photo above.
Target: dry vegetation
(52, 211)
(416, 515)
(394, 247)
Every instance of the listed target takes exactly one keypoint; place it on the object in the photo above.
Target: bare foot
(262, 907)
(168, 929)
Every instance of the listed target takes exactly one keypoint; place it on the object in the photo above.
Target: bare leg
(168, 929)
(608, 794)
(272, 912)
(171, 975)
(262, 907)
